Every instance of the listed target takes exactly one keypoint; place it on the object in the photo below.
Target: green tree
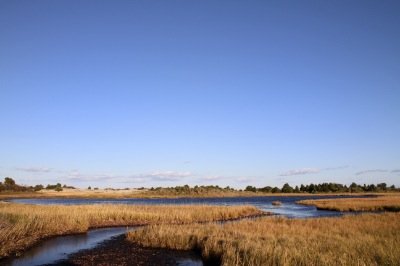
(382, 186)
(275, 190)
(8, 181)
(266, 189)
(250, 188)
(38, 187)
(287, 188)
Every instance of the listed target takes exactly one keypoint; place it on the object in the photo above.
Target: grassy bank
(370, 239)
(118, 194)
(22, 225)
(132, 193)
(382, 203)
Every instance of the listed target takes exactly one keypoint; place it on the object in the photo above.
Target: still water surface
(59, 248)
(289, 208)
(56, 249)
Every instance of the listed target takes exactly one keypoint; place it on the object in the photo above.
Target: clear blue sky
(164, 93)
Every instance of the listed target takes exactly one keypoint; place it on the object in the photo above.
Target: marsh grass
(370, 239)
(135, 193)
(22, 225)
(382, 203)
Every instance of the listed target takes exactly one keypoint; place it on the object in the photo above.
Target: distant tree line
(286, 188)
(10, 185)
(187, 190)
(325, 188)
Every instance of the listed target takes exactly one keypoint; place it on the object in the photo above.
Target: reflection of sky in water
(59, 248)
(289, 208)
(189, 262)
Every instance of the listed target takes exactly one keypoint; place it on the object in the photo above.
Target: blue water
(59, 248)
(289, 208)
(54, 250)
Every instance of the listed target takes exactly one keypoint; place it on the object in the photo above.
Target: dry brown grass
(369, 239)
(23, 225)
(382, 203)
(74, 193)
(134, 193)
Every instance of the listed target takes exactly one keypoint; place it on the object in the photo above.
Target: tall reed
(370, 239)
(382, 203)
(23, 225)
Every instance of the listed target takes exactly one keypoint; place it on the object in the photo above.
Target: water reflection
(189, 262)
(289, 208)
(58, 248)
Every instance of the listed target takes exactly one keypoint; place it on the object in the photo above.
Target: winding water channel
(59, 248)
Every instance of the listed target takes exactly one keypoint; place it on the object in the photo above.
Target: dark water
(289, 208)
(57, 249)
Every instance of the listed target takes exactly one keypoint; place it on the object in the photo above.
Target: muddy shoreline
(119, 251)
(20, 252)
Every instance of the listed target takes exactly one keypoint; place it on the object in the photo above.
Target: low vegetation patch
(9, 189)
(368, 239)
(23, 225)
(276, 203)
(382, 203)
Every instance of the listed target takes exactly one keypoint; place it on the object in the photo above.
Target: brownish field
(368, 239)
(134, 193)
(382, 203)
(22, 225)
(131, 193)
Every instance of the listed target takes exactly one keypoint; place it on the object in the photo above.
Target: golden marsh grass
(368, 239)
(22, 225)
(135, 193)
(382, 203)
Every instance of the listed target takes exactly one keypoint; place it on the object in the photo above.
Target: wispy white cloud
(75, 175)
(335, 168)
(372, 171)
(34, 169)
(166, 175)
(305, 171)
(244, 179)
(302, 171)
(212, 178)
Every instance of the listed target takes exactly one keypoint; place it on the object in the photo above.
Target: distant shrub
(38, 187)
